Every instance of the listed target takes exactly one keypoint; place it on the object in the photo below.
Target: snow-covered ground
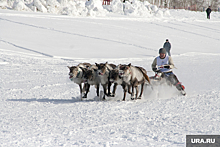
(40, 106)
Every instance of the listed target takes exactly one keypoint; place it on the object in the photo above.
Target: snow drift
(86, 8)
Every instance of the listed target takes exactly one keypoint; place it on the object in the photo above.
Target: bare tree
(194, 5)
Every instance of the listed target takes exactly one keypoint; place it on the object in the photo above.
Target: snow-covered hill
(40, 106)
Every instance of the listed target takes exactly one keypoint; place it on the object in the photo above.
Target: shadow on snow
(59, 101)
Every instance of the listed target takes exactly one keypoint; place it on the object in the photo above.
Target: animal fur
(117, 79)
(91, 78)
(103, 73)
(76, 75)
(134, 76)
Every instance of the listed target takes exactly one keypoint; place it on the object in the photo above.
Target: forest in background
(193, 5)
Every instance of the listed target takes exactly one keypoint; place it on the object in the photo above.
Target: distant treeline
(193, 5)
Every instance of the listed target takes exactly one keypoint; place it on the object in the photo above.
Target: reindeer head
(114, 75)
(75, 71)
(88, 75)
(102, 68)
(124, 70)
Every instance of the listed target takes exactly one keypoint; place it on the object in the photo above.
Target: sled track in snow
(187, 23)
(75, 34)
(215, 30)
(174, 28)
(27, 49)
(45, 100)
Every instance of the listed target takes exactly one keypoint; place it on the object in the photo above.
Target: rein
(77, 76)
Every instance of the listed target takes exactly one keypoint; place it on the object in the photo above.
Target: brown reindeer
(91, 78)
(103, 73)
(76, 75)
(117, 79)
(134, 76)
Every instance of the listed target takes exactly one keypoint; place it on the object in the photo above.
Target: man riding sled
(163, 65)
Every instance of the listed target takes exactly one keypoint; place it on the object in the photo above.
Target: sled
(159, 79)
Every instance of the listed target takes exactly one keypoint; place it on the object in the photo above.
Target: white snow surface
(40, 106)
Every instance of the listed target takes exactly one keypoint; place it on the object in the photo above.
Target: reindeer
(91, 78)
(134, 76)
(76, 75)
(103, 73)
(117, 79)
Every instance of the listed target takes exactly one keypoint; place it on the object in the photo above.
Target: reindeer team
(128, 76)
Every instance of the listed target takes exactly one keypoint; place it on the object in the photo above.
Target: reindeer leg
(114, 89)
(129, 89)
(137, 91)
(142, 89)
(97, 90)
(109, 88)
(104, 87)
(125, 90)
(87, 90)
(132, 94)
(80, 88)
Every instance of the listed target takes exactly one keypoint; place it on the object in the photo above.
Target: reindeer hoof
(132, 97)
(84, 96)
(139, 98)
(112, 95)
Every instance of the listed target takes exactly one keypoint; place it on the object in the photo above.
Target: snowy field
(40, 106)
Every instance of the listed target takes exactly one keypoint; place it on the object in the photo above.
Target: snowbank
(85, 8)
(115, 7)
(95, 8)
(136, 8)
(3, 4)
(19, 5)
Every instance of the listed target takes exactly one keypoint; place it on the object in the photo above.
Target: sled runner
(161, 78)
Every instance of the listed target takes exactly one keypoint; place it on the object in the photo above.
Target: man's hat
(167, 40)
(162, 50)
